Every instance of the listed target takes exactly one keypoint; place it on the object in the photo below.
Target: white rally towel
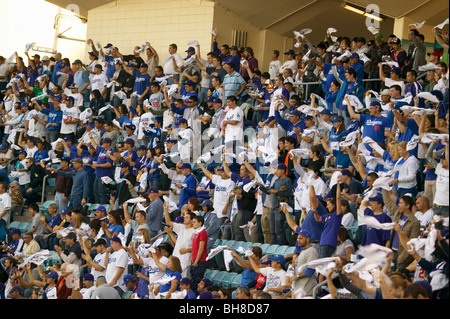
(302, 32)
(216, 251)
(428, 96)
(374, 223)
(428, 67)
(418, 25)
(442, 25)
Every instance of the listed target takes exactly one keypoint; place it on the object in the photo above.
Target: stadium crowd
(340, 149)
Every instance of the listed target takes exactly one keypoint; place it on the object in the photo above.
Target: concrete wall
(127, 23)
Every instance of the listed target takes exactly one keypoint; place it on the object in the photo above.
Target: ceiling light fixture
(362, 12)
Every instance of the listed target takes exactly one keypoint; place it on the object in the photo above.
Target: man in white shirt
(5, 209)
(233, 125)
(394, 79)
(97, 264)
(185, 235)
(275, 65)
(99, 80)
(173, 59)
(223, 187)
(290, 63)
(424, 212)
(4, 71)
(441, 198)
(117, 264)
(72, 91)
(70, 119)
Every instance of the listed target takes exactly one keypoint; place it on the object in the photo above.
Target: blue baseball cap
(282, 166)
(396, 70)
(3, 146)
(217, 100)
(189, 82)
(52, 274)
(88, 277)
(207, 202)
(354, 55)
(185, 165)
(278, 258)
(291, 52)
(303, 232)
(101, 208)
(127, 278)
(64, 211)
(377, 198)
(190, 49)
(295, 113)
(325, 112)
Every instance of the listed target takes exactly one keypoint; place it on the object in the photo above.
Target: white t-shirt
(168, 64)
(35, 129)
(99, 81)
(5, 203)
(118, 259)
(274, 68)
(222, 190)
(87, 292)
(154, 273)
(184, 240)
(275, 279)
(144, 123)
(442, 189)
(77, 96)
(290, 64)
(51, 293)
(69, 114)
(100, 260)
(425, 218)
(320, 187)
(234, 132)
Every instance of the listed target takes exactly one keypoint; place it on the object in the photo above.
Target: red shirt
(201, 236)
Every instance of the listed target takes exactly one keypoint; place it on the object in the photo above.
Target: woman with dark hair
(347, 217)
(332, 222)
(345, 245)
(115, 226)
(194, 205)
(171, 270)
(317, 159)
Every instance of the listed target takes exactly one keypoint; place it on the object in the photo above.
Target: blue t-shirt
(103, 159)
(170, 273)
(374, 127)
(315, 228)
(141, 82)
(373, 235)
(332, 223)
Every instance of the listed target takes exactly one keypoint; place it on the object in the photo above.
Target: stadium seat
(256, 244)
(210, 273)
(236, 245)
(217, 243)
(281, 250)
(14, 225)
(246, 244)
(228, 279)
(217, 280)
(353, 229)
(236, 281)
(290, 250)
(92, 207)
(271, 250)
(24, 227)
(264, 247)
(44, 207)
